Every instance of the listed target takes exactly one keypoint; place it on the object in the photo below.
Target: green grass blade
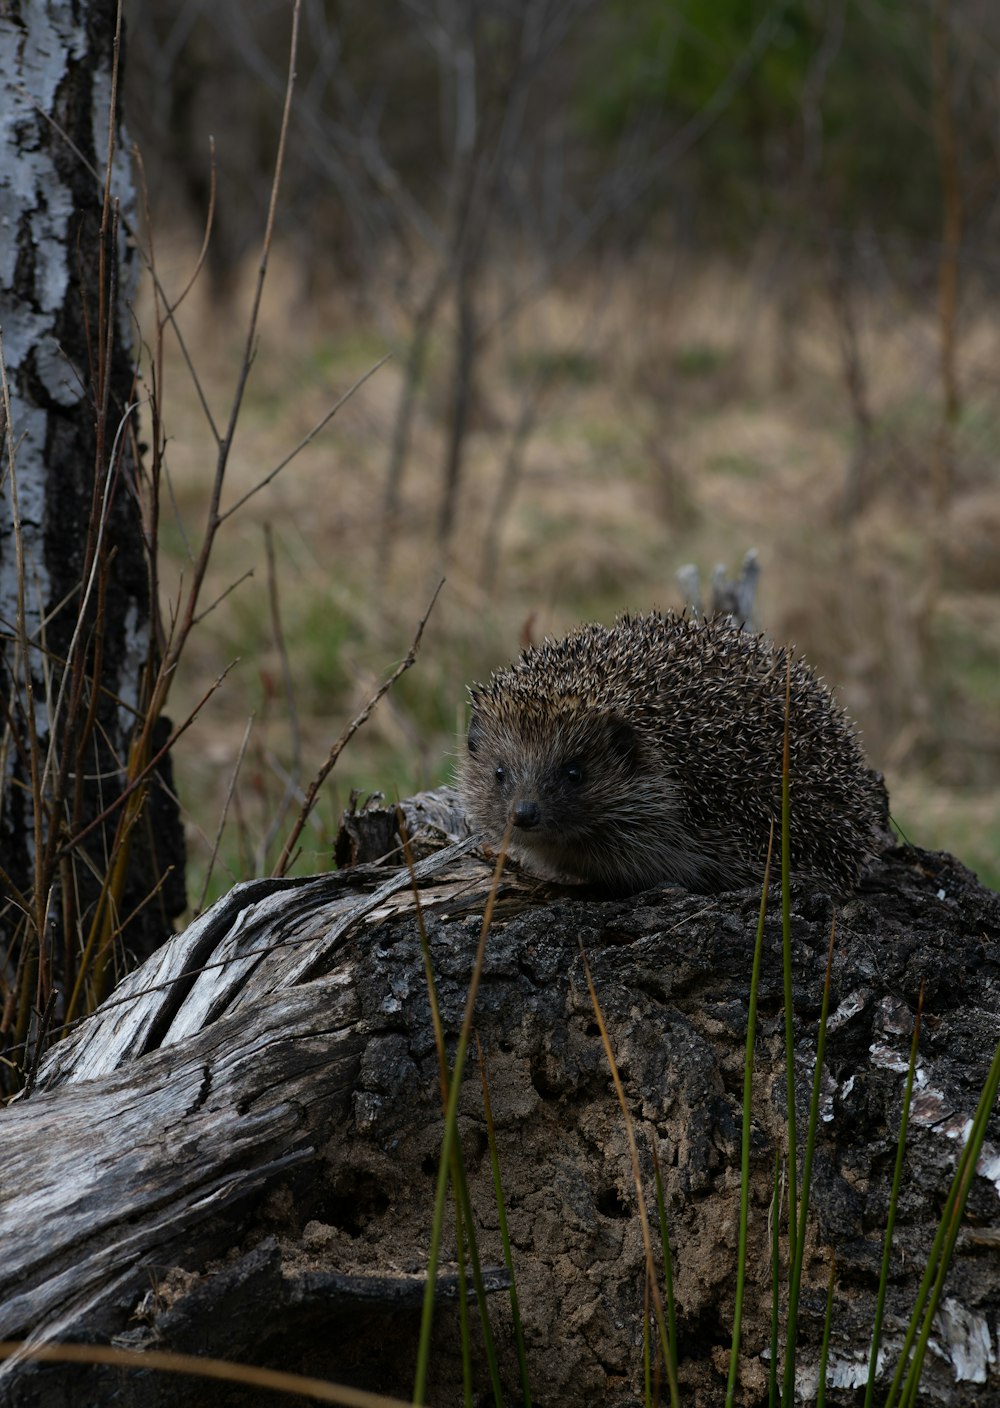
(741, 1255)
(522, 1358)
(897, 1179)
(460, 1182)
(986, 1100)
(795, 1279)
(449, 1141)
(825, 1350)
(464, 1221)
(772, 1383)
(951, 1222)
(922, 1293)
(463, 1310)
(668, 1359)
(647, 1367)
(463, 1205)
(786, 949)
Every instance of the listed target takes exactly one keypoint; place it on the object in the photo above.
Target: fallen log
(236, 1155)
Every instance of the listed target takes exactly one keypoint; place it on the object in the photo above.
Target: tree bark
(236, 1156)
(78, 649)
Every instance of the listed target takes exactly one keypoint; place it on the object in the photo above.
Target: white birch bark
(59, 137)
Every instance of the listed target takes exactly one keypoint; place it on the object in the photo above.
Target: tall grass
(515, 1307)
(897, 1178)
(741, 1253)
(906, 1380)
(667, 1350)
(659, 1325)
(450, 1138)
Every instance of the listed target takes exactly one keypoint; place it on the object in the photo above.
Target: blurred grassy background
(681, 282)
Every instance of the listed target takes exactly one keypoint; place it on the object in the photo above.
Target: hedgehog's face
(559, 778)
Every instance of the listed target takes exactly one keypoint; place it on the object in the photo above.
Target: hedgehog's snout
(526, 815)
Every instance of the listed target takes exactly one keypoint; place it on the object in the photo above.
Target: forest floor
(683, 411)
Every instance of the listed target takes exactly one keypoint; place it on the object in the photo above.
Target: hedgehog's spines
(693, 795)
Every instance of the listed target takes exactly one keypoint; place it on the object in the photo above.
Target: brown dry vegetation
(692, 408)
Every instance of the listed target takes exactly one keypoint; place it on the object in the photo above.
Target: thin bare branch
(213, 519)
(144, 773)
(306, 439)
(66, 676)
(265, 252)
(224, 816)
(291, 778)
(348, 733)
(222, 596)
(207, 237)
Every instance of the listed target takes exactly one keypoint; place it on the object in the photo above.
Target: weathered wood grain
(236, 1155)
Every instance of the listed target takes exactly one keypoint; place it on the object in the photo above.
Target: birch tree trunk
(77, 650)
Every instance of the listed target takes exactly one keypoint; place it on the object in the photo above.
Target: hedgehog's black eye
(500, 773)
(573, 772)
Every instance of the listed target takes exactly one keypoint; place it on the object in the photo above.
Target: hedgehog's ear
(622, 739)
(475, 732)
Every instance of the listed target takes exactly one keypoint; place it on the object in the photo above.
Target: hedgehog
(651, 751)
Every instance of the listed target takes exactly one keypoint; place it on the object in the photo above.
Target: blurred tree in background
(627, 255)
(738, 102)
(433, 141)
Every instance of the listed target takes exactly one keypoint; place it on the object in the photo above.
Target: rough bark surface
(237, 1154)
(67, 274)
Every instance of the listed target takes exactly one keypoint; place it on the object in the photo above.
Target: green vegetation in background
(554, 365)
(699, 359)
(865, 93)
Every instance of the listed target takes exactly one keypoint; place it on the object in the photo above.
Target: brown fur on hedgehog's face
(569, 780)
(650, 751)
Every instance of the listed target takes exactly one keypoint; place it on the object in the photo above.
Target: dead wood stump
(236, 1155)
